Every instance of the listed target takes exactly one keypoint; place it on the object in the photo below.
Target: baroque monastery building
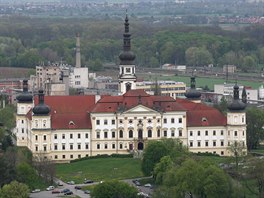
(64, 128)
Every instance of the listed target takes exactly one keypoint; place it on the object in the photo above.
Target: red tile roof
(133, 98)
(70, 109)
(199, 114)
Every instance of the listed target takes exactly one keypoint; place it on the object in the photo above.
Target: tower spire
(127, 57)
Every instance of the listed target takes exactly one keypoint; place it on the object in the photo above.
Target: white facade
(79, 77)
(127, 78)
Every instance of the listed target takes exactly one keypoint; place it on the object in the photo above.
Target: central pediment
(140, 109)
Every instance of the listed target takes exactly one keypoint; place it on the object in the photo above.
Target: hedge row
(103, 156)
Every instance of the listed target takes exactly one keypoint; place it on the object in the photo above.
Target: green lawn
(100, 169)
(202, 81)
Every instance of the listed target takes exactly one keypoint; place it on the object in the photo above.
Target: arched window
(121, 134)
(149, 133)
(130, 134)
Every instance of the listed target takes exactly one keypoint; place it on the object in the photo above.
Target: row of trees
(178, 173)
(33, 42)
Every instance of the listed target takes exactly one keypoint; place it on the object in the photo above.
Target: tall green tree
(255, 131)
(152, 154)
(198, 57)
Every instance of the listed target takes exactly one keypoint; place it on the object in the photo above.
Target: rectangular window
(165, 133)
(36, 137)
(86, 146)
(86, 135)
(222, 132)
(55, 147)
(79, 146)
(180, 120)
(191, 133)
(71, 156)
(214, 143)
(36, 148)
(199, 144)
(45, 137)
(63, 136)
(22, 130)
(45, 148)
(180, 133)
(165, 120)
(79, 136)
(214, 132)
(63, 146)
(113, 146)
(113, 134)
(121, 121)
(63, 156)
(222, 143)
(55, 136)
(158, 133)
(206, 133)
(105, 135)
(71, 146)
(105, 146)
(235, 133)
(191, 144)
(97, 122)
(71, 136)
(198, 133)
(98, 146)
(121, 146)
(98, 135)
(172, 133)
(22, 121)
(206, 143)
(105, 122)
(56, 156)
(172, 120)
(113, 122)
(79, 156)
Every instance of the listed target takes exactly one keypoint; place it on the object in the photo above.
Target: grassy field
(201, 81)
(100, 169)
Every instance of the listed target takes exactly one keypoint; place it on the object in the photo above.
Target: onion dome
(192, 93)
(41, 108)
(127, 57)
(25, 96)
(236, 105)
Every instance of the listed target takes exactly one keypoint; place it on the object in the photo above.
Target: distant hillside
(14, 72)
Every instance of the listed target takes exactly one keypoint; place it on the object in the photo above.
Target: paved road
(80, 193)
(48, 194)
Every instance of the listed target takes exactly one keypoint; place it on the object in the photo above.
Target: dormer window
(71, 123)
(204, 119)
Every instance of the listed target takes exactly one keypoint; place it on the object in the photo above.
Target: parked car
(71, 182)
(78, 187)
(68, 193)
(148, 185)
(50, 188)
(65, 190)
(55, 191)
(60, 184)
(35, 190)
(87, 192)
(87, 181)
(142, 194)
(136, 182)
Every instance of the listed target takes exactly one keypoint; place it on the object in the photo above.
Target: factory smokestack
(78, 51)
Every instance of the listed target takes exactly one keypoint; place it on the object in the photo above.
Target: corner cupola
(41, 108)
(25, 96)
(126, 57)
(192, 93)
(236, 104)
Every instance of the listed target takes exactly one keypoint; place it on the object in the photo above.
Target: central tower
(127, 77)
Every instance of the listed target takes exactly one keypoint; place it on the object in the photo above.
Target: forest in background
(27, 42)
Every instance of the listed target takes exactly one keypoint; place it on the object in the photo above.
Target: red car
(55, 191)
